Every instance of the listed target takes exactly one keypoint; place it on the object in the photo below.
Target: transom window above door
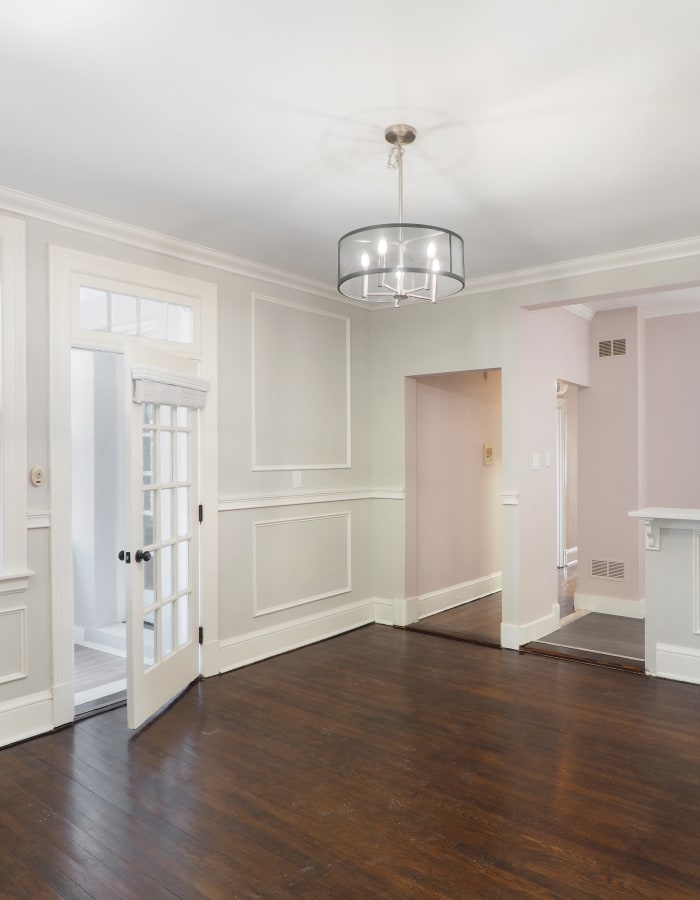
(132, 315)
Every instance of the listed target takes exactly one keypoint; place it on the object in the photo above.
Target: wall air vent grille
(612, 347)
(606, 568)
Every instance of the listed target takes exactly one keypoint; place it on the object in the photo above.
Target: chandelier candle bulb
(365, 278)
(407, 267)
(433, 279)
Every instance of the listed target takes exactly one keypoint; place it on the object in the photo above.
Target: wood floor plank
(379, 764)
(476, 622)
(616, 635)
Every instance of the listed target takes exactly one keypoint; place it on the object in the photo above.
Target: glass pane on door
(166, 508)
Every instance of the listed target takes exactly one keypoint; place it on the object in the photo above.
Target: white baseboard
(405, 610)
(447, 598)
(571, 556)
(210, 658)
(383, 610)
(266, 642)
(611, 606)
(25, 717)
(515, 636)
(678, 663)
(63, 706)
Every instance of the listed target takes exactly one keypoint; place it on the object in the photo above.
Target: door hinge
(201, 635)
(201, 513)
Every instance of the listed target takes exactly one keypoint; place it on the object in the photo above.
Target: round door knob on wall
(37, 475)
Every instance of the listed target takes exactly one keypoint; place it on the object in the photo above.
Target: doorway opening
(567, 497)
(98, 528)
(582, 635)
(453, 503)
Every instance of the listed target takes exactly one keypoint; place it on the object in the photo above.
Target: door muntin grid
(167, 529)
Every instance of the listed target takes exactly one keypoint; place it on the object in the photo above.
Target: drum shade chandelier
(400, 261)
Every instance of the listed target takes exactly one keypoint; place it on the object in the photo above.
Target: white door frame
(66, 268)
(561, 483)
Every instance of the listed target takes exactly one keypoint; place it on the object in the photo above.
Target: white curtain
(158, 386)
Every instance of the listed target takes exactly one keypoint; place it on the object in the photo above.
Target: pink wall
(555, 346)
(610, 459)
(457, 498)
(673, 422)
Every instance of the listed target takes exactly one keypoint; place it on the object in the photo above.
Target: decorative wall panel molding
(300, 387)
(300, 560)
(13, 644)
(231, 504)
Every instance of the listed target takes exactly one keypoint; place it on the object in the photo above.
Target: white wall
(327, 530)
(481, 330)
(295, 393)
(532, 349)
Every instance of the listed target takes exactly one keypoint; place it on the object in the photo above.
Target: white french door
(163, 396)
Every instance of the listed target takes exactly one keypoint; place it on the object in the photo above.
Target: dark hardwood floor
(477, 622)
(379, 764)
(616, 641)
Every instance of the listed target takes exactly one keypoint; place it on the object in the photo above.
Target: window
(134, 316)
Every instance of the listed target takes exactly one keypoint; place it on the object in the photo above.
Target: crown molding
(585, 265)
(670, 308)
(134, 236)
(57, 213)
(580, 310)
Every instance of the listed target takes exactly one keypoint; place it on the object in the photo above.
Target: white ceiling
(547, 130)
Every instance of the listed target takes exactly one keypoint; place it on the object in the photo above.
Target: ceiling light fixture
(400, 261)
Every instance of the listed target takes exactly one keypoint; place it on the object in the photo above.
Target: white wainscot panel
(301, 387)
(13, 644)
(299, 560)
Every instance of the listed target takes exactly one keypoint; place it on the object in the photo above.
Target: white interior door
(162, 398)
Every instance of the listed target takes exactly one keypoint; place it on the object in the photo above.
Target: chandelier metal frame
(400, 261)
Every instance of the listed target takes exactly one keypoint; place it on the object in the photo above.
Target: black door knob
(144, 555)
